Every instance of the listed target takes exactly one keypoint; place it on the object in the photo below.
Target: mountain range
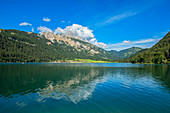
(20, 46)
(126, 52)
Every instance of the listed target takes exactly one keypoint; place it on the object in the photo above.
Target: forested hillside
(20, 46)
(126, 52)
(159, 53)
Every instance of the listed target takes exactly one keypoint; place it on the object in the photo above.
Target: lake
(84, 88)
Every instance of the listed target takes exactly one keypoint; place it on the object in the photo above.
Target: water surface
(84, 88)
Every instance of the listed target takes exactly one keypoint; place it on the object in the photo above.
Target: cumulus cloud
(59, 30)
(25, 24)
(83, 32)
(43, 29)
(99, 44)
(46, 19)
(63, 21)
(78, 30)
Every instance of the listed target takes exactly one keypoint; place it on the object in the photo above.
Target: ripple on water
(84, 88)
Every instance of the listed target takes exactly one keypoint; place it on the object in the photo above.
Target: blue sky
(111, 24)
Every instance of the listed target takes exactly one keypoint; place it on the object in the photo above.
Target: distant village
(69, 61)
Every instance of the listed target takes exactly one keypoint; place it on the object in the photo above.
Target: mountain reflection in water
(78, 87)
(75, 83)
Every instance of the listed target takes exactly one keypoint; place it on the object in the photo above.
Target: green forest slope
(159, 53)
(20, 46)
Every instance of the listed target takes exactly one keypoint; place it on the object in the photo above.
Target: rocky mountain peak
(70, 39)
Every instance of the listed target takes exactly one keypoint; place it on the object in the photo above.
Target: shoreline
(76, 63)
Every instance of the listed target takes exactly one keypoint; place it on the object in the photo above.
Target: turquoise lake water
(84, 88)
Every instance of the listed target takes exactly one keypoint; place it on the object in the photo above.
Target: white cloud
(119, 17)
(59, 30)
(25, 24)
(116, 18)
(126, 41)
(46, 19)
(92, 40)
(68, 21)
(99, 44)
(32, 29)
(83, 32)
(63, 21)
(144, 43)
(78, 30)
(43, 29)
